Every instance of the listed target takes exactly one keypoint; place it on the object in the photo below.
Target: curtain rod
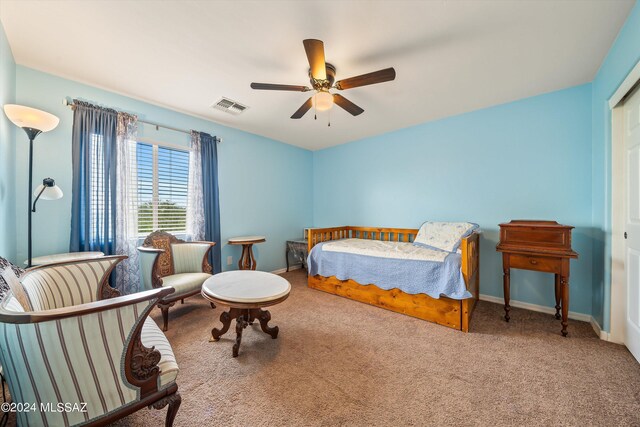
(71, 104)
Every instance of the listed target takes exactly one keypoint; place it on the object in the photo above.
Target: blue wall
(622, 57)
(264, 184)
(544, 157)
(7, 151)
(527, 159)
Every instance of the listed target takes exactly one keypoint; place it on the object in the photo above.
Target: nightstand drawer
(550, 265)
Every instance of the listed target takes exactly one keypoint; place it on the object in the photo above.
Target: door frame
(618, 311)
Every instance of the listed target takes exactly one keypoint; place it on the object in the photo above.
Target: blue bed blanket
(389, 265)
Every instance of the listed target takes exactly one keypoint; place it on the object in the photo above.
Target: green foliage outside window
(171, 217)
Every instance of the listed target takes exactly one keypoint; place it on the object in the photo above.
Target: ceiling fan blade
(349, 106)
(315, 55)
(269, 86)
(380, 76)
(302, 110)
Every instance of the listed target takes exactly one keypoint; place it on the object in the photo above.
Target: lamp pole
(33, 122)
(31, 133)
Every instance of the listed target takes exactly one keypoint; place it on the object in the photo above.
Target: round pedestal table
(247, 261)
(245, 292)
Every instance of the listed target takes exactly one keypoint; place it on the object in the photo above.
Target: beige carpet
(340, 362)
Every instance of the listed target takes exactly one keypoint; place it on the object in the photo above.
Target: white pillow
(445, 236)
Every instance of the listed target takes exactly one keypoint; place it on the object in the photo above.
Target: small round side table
(245, 293)
(247, 261)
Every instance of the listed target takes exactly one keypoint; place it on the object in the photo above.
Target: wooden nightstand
(539, 246)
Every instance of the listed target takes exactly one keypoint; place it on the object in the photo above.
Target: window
(98, 224)
(163, 177)
(160, 196)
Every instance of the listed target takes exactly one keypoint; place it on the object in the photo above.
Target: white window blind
(163, 175)
(160, 193)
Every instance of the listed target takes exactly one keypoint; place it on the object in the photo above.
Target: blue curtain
(93, 204)
(209, 153)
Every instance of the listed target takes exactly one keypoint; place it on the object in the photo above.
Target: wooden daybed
(449, 312)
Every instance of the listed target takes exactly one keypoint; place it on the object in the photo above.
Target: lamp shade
(49, 193)
(27, 117)
(323, 101)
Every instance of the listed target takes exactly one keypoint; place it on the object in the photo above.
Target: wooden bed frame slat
(444, 311)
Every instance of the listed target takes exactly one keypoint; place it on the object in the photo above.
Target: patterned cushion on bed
(445, 236)
(4, 287)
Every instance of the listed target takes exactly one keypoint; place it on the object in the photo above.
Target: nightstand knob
(533, 261)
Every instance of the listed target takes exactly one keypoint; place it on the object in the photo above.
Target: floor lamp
(33, 122)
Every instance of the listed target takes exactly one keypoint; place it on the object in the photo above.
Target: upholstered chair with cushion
(68, 340)
(166, 261)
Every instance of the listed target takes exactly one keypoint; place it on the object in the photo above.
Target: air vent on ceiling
(229, 106)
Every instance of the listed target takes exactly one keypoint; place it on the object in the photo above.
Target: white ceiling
(450, 56)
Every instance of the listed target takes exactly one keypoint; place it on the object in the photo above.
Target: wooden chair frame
(140, 364)
(444, 311)
(156, 280)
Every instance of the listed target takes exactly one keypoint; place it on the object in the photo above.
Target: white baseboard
(284, 270)
(598, 330)
(535, 307)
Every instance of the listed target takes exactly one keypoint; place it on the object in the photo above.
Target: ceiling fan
(322, 76)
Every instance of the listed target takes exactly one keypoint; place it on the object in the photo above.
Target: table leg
(247, 262)
(241, 323)
(251, 264)
(564, 282)
(286, 257)
(507, 293)
(243, 258)
(264, 316)
(226, 317)
(244, 317)
(558, 295)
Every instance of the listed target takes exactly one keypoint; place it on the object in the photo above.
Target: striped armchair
(166, 261)
(79, 345)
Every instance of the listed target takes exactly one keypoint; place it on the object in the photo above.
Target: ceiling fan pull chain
(329, 124)
(315, 111)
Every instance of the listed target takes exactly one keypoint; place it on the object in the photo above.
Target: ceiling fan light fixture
(323, 101)
(321, 76)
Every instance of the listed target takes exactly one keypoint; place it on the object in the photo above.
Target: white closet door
(632, 220)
